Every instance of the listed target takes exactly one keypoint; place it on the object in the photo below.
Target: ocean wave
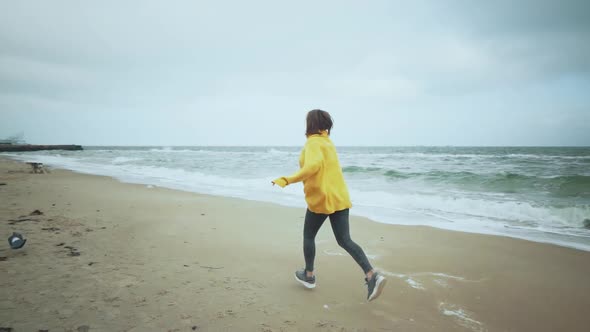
(543, 156)
(359, 169)
(123, 160)
(503, 182)
(174, 150)
(277, 151)
(449, 156)
(533, 216)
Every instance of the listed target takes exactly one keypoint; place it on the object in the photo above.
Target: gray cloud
(427, 68)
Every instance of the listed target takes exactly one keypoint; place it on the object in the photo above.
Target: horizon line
(351, 146)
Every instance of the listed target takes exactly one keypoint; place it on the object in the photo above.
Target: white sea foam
(446, 276)
(461, 317)
(437, 277)
(414, 283)
(277, 151)
(405, 277)
(441, 282)
(332, 253)
(122, 160)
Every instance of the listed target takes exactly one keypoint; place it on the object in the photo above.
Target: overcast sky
(246, 72)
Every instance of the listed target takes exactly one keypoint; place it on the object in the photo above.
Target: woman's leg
(313, 222)
(340, 227)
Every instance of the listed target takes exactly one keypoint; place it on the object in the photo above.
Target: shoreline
(163, 259)
(567, 241)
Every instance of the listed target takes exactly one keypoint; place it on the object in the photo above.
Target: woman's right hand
(281, 182)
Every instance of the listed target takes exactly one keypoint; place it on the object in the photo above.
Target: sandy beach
(109, 256)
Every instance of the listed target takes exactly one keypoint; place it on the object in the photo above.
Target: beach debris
(5, 329)
(16, 241)
(2, 184)
(587, 223)
(43, 331)
(83, 328)
(36, 213)
(73, 251)
(20, 219)
(326, 306)
(38, 168)
(3, 258)
(194, 328)
(60, 244)
(50, 229)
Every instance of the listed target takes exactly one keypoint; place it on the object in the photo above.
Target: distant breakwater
(31, 147)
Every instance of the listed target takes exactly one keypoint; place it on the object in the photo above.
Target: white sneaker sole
(379, 284)
(304, 283)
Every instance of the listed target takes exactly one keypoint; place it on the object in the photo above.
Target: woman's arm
(313, 160)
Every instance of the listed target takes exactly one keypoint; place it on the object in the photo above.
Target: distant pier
(31, 147)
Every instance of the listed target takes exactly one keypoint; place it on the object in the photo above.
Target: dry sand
(110, 256)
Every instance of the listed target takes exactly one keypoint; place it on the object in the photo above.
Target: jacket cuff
(281, 182)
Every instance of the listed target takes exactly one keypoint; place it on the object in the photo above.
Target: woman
(326, 195)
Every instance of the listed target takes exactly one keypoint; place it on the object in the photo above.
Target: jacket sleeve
(312, 163)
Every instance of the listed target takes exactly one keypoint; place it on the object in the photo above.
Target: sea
(540, 194)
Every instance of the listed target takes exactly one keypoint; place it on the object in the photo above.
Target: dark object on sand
(36, 213)
(16, 241)
(38, 168)
(2, 184)
(5, 329)
(587, 223)
(83, 328)
(30, 147)
(73, 251)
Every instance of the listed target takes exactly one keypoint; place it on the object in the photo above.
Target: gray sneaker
(375, 286)
(301, 276)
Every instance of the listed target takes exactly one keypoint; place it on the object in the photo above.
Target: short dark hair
(318, 120)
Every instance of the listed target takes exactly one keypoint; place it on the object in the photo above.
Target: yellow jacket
(320, 171)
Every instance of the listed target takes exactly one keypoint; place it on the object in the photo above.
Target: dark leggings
(340, 227)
